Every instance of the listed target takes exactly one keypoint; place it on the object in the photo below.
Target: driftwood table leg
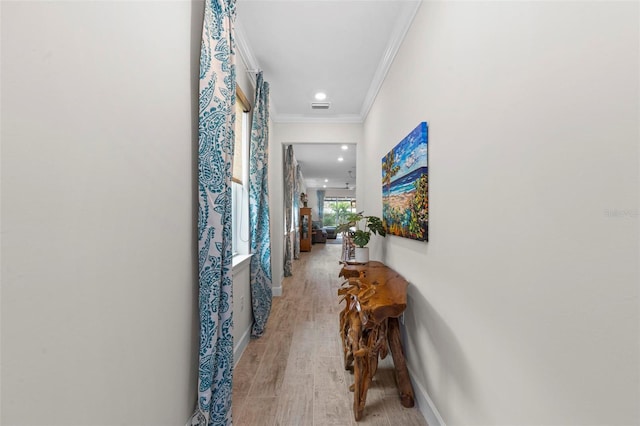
(360, 382)
(359, 357)
(402, 373)
(345, 334)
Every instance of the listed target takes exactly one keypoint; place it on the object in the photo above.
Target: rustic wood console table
(375, 296)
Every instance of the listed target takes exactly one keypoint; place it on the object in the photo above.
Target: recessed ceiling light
(345, 147)
(340, 159)
(324, 186)
(326, 180)
(321, 96)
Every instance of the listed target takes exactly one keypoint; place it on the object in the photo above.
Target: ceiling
(319, 162)
(343, 48)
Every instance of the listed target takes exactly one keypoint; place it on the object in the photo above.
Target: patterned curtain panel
(288, 210)
(260, 242)
(320, 193)
(215, 154)
(296, 211)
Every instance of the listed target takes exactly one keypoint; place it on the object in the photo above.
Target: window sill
(241, 261)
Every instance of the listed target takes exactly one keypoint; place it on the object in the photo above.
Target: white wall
(523, 306)
(313, 202)
(99, 148)
(333, 133)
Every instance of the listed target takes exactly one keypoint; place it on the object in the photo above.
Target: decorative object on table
(375, 296)
(358, 229)
(304, 198)
(405, 187)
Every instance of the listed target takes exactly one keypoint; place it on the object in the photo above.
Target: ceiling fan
(346, 184)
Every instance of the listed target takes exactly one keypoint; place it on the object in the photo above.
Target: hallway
(294, 374)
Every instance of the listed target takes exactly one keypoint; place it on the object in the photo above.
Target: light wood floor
(294, 374)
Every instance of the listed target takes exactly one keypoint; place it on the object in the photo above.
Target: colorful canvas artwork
(405, 187)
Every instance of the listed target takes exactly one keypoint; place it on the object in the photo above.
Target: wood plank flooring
(294, 374)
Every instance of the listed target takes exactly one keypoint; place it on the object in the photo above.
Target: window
(239, 179)
(336, 210)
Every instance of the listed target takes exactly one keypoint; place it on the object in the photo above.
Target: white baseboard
(277, 291)
(425, 404)
(241, 345)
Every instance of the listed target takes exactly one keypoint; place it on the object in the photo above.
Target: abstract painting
(405, 187)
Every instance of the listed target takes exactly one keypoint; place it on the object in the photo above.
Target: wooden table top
(383, 291)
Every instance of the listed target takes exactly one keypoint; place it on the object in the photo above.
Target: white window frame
(240, 195)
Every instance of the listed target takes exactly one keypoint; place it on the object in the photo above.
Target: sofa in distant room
(331, 232)
(318, 235)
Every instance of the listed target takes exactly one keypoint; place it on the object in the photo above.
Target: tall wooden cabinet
(305, 228)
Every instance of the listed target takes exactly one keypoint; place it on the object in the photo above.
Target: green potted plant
(360, 227)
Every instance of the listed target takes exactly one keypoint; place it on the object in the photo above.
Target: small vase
(362, 254)
(305, 203)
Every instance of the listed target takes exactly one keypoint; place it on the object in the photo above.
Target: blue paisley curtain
(320, 193)
(288, 209)
(296, 209)
(260, 242)
(215, 154)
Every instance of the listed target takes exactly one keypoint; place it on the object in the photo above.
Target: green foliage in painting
(419, 208)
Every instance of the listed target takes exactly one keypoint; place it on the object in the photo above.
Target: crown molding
(299, 118)
(403, 22)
